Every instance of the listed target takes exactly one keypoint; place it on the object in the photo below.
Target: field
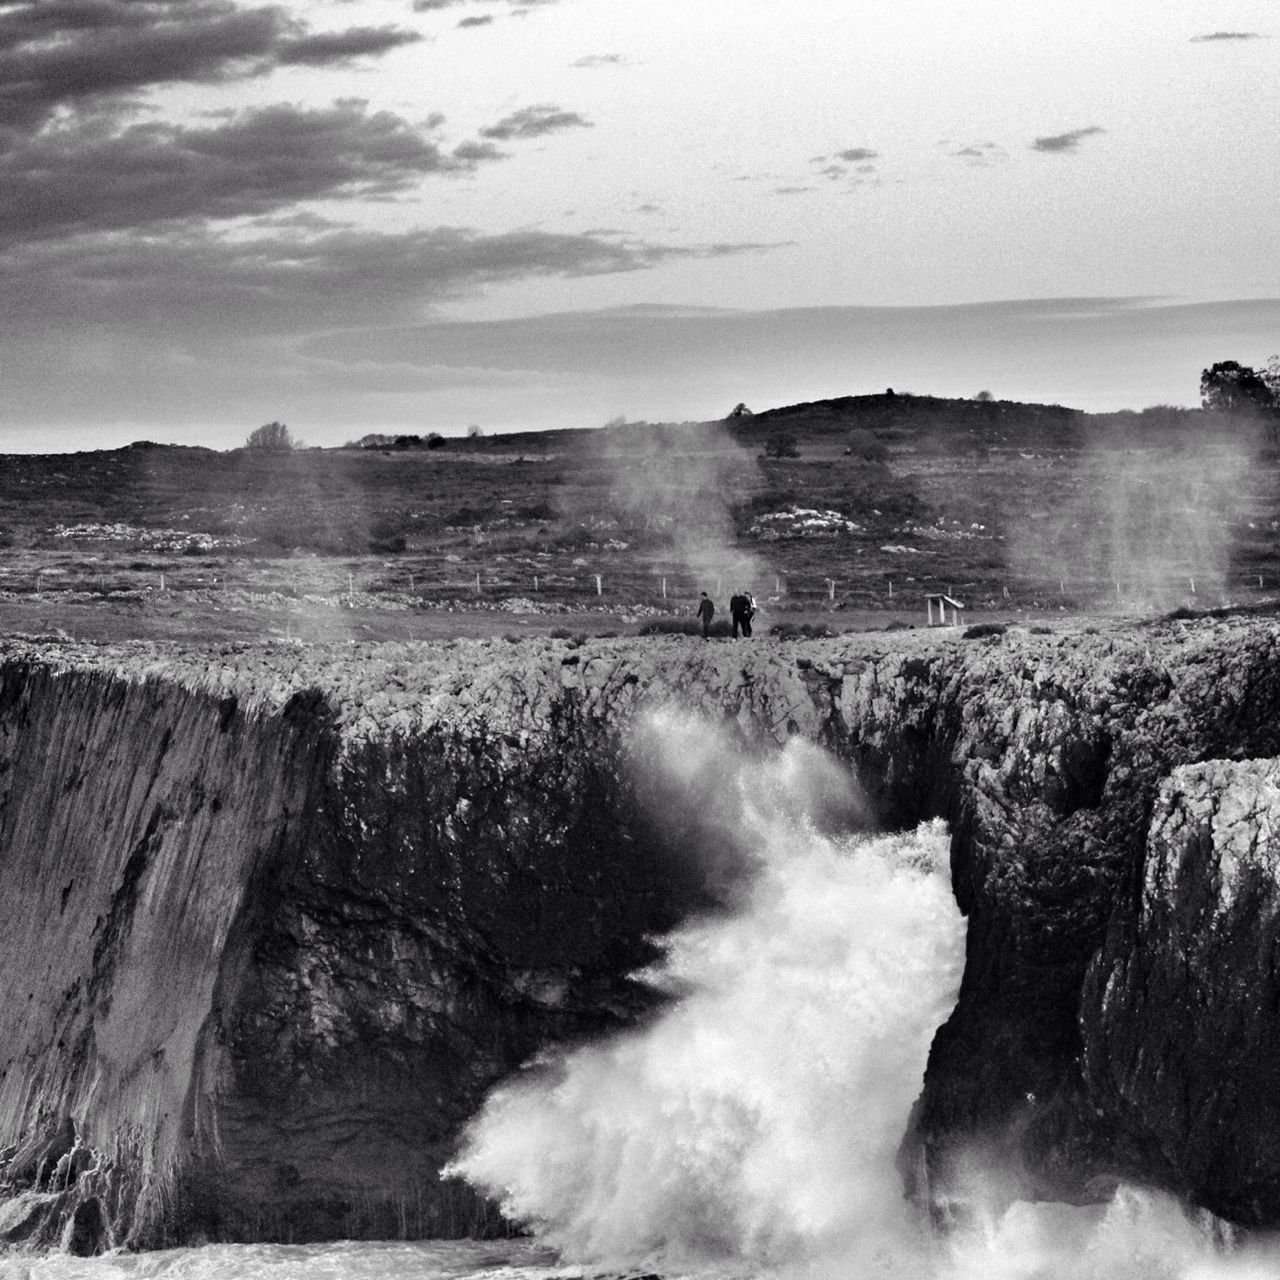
(842, 514)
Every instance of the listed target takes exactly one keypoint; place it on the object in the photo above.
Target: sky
(418, 215)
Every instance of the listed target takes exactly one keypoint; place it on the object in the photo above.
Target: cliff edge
(275, 919)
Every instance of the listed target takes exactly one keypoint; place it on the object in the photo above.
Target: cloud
(1227, 35)
(248, 164)
(1060, 142)
(68, 52)
(981, 155)
(331, 47)
(98, 54)
(478, 21)
(854, 154)
(472, 152)
(534, 122)
(290, 280)
(518, 7)
(594, 61)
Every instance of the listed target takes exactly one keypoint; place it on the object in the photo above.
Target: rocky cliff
(274, 920)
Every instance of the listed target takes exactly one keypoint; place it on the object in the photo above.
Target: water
(749, 1132)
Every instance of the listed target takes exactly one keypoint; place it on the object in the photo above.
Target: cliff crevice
(277, 919)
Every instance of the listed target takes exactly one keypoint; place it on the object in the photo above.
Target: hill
(859, 503)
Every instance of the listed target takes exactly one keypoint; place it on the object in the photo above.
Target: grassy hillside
(859, 503)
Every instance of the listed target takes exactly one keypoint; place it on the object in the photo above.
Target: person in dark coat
(738, 614)
(706, 611)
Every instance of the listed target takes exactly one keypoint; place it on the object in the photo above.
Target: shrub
(683, 627)
(801, 631)
(979, 630)
(781, 446)
(272, 437)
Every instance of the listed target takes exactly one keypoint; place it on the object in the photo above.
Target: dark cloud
(97, 53)
(56, 52)
(980, 155)
(516, 6)
(1227, 35)
(478, 21)
(250, 163)
(341, 46)
(854, 154)
(473, 152)
(534, 122)
(290, 282)
(1059, 142)
(595, 60)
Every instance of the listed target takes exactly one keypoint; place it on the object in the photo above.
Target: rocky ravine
(274, 920)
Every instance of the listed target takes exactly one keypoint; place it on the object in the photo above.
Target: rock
(283, 916)
(1179, 1012)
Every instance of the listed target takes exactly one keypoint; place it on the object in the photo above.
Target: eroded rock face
(275, 920)
(1181, 1034)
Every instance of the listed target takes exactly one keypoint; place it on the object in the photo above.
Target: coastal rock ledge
(275, 919)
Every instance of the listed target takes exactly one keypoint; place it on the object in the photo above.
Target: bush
(801, 631)
(781, 446)
(272, 437)
(684, 627)
(982, 629)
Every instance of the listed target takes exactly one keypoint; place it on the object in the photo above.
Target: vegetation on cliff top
(858, 503)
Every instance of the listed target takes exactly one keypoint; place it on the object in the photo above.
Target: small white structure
(942, 603)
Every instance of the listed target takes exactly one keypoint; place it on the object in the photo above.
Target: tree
(1232, 387)
(985, 397)
(271, 436)
(475, 431)
(740, 410)
(781, 446)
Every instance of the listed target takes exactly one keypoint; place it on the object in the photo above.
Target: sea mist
(756, 1120)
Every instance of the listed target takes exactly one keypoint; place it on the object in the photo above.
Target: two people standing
(742, 608)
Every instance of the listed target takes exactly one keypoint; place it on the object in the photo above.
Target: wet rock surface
(1182, 1041)
(276, 918)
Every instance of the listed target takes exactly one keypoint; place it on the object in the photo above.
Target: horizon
(544, 214)
(298, 444)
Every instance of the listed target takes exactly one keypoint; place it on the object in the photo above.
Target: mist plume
(678, 484)
(758, 1117)
(1147, 526)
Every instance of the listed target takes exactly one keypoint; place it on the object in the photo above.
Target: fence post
(664, 588)
(599, 588)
